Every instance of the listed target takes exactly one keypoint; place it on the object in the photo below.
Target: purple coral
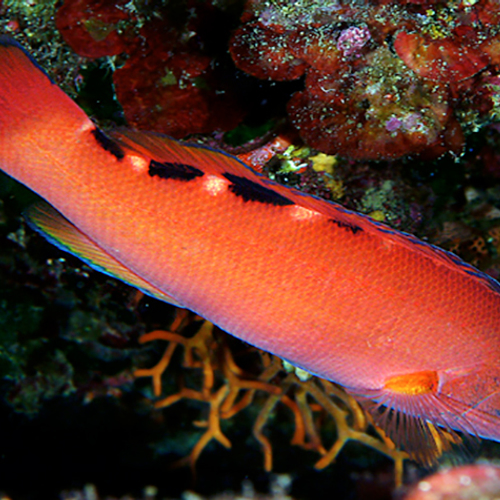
(412, 122)
(393, 124)
(352, 39)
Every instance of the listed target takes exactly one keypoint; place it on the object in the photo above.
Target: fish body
(380, 312)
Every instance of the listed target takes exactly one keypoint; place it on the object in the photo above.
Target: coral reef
(382, 79)
(96, 28)
(184, 90)
(171, 73)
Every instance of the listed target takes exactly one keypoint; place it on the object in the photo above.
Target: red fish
(335, 293)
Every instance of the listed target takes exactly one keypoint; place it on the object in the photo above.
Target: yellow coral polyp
(324, 163)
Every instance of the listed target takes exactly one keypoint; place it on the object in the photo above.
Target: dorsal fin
(59, 231)
(165, 149)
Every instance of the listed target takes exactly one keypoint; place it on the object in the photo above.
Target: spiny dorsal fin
(162, 148)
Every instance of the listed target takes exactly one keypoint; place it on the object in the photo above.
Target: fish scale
(387, 316)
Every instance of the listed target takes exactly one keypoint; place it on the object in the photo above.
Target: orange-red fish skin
(329, 290)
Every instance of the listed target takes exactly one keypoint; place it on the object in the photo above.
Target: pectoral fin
(413, 411)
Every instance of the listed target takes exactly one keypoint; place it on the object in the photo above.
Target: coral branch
(227, 389)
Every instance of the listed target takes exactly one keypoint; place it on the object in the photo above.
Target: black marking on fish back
(108, 144)
(176, 171)
(252, 191)
(346, 225)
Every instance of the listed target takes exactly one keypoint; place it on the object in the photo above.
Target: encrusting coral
(383, 79)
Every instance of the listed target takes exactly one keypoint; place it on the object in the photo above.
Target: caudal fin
(33, 109)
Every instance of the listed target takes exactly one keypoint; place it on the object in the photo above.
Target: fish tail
(33, 109)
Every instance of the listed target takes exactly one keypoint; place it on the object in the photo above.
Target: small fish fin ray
(62, 233)
(165, 149)
(425, 425)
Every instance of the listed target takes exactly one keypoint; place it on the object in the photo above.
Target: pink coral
(352, 39)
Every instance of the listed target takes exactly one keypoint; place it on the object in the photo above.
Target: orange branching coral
(227, 389)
